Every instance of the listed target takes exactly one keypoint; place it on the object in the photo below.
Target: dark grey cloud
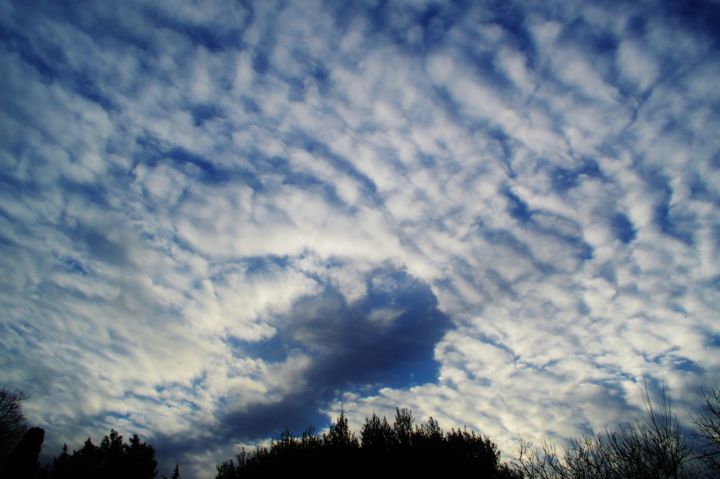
(386, 339)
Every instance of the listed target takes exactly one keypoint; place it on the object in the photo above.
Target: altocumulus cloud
(219, 218)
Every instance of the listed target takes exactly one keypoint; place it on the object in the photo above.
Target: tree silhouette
(655, 448)
(377, 435)
(708, 431)
(113, 459)
(113, 451)
(400, 449)
(140, 459)
(22, 462)
(403, 427)
(340, 436)
(12, 422)
(175, 474)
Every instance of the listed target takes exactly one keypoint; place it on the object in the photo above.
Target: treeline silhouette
(112, 459)
(655, 447)
(381, 448)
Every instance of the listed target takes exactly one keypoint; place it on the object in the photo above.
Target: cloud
(218, 221)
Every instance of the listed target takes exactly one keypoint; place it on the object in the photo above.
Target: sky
(221, 218)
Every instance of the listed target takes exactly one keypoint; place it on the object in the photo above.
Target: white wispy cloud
(213, 217)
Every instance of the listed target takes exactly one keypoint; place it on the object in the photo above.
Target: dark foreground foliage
(12, 422)
(112, 459)
(401, 448)
(22, 461)
(654, 448)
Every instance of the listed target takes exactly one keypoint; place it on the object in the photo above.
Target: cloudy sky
(220, 218)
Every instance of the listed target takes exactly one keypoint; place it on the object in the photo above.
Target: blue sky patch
(623, 228)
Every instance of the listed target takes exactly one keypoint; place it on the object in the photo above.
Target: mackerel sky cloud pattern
(221, 218)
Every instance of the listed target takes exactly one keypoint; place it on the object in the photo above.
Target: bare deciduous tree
(12, 421)
(708, 430)
(655, 448)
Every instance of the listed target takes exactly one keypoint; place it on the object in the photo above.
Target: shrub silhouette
(401, 449)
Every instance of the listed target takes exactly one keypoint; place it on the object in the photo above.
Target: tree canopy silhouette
(401, 448)
(653, 447)
(112, 459)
